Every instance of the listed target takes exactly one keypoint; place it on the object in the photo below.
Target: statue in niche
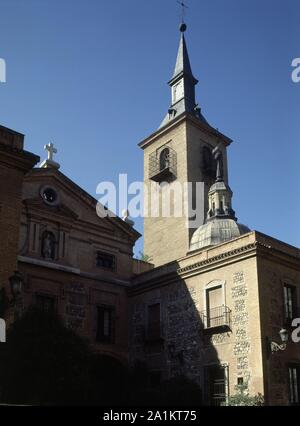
(164, 159)
(48, 245)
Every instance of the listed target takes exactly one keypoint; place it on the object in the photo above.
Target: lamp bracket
(275, 347)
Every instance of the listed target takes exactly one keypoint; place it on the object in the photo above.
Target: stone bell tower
(180, 151)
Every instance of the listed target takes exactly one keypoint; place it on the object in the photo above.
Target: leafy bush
(242, 398)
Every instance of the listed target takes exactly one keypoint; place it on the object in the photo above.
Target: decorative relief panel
(75, 308)
(242, 363)
(239, 291)
(240, 320)
(238, 277)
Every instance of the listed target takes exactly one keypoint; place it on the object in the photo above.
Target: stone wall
(273, 274)
(192, 347)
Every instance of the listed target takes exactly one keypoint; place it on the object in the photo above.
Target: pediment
(75, 203)
(61, 210)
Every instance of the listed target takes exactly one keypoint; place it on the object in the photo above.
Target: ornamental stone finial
(125, 217)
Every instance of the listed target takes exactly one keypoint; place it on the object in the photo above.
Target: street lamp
(284, 336)
(16, 284)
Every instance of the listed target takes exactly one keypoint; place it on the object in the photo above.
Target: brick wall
(14, 163)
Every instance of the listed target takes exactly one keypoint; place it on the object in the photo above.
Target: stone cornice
(17, 158)
(46, 265)
(167, 274)
(220, 257)
(173, 273)
(181, 118)
(270, 252)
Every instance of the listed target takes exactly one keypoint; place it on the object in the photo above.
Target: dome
(219, 186)
(216, 231)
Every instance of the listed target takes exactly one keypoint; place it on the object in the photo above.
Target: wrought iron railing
(219, 392)
(158, 170)
(216, 317)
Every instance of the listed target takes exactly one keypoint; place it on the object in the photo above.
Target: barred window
(294, 384)
(106, 261)
(290, 302)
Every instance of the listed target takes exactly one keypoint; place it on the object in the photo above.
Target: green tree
(144, 257)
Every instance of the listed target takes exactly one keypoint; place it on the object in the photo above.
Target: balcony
(216, 320)
(163, 167)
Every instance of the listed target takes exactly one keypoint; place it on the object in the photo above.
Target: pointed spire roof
(186, 103)
(183, 65)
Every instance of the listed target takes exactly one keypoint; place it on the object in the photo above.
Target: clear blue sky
(90, 75)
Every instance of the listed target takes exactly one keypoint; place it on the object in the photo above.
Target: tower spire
(183, 65)
(182, 84)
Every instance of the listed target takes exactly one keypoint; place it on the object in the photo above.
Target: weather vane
(183, 7)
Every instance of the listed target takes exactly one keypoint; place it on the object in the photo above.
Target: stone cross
(51, 150)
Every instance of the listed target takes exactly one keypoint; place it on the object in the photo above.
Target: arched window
(48, 245)
(164, 159)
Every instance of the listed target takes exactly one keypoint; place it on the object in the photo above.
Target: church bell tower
(179, 153)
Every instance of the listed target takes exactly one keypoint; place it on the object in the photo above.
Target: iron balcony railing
(218, 317)
(160, 171)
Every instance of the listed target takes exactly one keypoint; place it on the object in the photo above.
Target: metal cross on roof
(51, 150)
(183, 7)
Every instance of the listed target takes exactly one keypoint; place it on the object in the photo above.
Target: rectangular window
(154, 324)
(45, 303)
(214, 306)
(290, 303)
(106, 261)
(294, 384)
(105, 324)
